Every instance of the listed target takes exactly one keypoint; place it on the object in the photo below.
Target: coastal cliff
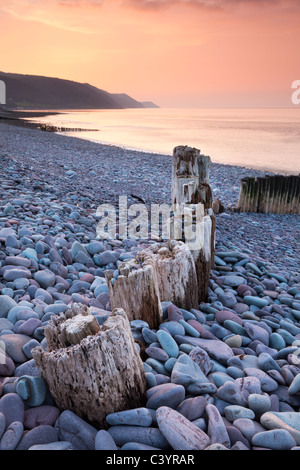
(38, 92)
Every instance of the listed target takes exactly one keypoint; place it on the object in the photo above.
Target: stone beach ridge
(224, 376)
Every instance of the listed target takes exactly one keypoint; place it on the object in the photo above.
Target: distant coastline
(39, 92)
(24, 119)
(247, 138)
(20, 118)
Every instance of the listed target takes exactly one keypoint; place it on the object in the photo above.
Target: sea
(263, 139)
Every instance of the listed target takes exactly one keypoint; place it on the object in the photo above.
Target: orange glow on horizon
(175, 53)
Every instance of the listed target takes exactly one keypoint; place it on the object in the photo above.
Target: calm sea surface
(267, 139)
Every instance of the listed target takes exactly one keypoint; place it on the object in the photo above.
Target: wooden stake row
(278, 194)
(95, 370)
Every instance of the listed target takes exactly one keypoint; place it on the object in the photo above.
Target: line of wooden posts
(278, 194)
(93, 370)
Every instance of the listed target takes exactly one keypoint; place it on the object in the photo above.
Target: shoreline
(236, 346)
(13, 118)
(77, 169)
(150, 152)
(18, 119)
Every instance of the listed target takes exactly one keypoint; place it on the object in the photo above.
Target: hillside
(37, 92)
(149, 104)
(125, 101)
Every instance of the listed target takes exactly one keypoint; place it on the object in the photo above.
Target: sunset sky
(177, 53)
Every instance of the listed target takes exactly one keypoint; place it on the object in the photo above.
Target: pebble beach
(225, 376)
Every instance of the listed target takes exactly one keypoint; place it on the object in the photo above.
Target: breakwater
(278, 194)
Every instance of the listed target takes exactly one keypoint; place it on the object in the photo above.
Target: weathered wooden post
(175, 272)
(89, 370)
(294, 207)
(136, 291)
(190, 185)
(242, 195)
(162, 272)
(189, 166)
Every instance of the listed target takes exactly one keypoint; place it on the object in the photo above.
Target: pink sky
(181, 53)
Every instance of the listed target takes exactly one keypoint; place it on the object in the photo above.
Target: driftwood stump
(89, 370)
(190, 185)
(175, 272)
(136, 292)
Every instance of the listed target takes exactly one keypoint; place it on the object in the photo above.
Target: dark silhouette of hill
(38, 92)
(149, 104)
(126, 101)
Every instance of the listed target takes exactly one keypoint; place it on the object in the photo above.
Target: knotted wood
(100, 373)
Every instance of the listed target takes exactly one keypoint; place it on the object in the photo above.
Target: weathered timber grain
(136, 292)
(100, 374)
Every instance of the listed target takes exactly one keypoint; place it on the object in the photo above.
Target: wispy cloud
(148, 5)
(15, 6)
(42, 12)
(81, 3)
(210, 4)
(61, 14)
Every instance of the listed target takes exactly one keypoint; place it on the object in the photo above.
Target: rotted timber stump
(175, 272)
(161, 272)
(189, 166)
(136, 291)
(190, 185)
(89, 370)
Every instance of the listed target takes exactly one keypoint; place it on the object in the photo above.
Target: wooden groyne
(172, 270)
(277, 194)
(93, 370)
(50, 128)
